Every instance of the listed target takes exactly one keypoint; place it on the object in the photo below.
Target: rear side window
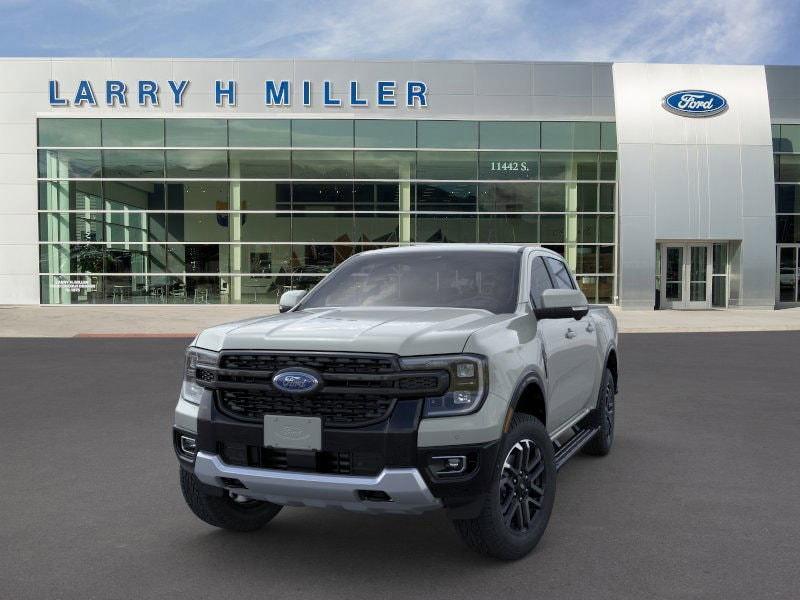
(540, 281)
(560, 274)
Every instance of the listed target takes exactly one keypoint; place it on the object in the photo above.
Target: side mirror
(290, 299)
(562, 304)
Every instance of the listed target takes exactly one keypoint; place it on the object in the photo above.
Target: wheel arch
(612, 364)
(529, 398)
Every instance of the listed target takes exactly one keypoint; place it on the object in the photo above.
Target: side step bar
(578, 441)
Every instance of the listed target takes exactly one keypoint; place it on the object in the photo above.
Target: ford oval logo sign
(295, 381)
(695, 103)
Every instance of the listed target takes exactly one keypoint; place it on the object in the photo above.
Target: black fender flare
(528, 377)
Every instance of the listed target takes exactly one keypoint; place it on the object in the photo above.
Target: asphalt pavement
(699, 498)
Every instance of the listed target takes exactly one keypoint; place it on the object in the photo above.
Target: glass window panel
(587, 228)
(719, 292)
(588, 286)
(605, 290)
(587, 136)
(508, 165)
(787, 198)
(776, 135)
(259, 133)
(69, 132)
(508, 197)
(587, 197)
(322, 196)
(585, 166)
(605, 228)
(265, 227)
(789, 170)
(460, 197)
(787, 229)
(198, 227)
(385, 133)
(553, 197)
(557, 135)
(316, 227)
(556, 165)
(322, 133)
(70, 195)
(133, 132)
(586, 259)
(552, 229)
(509, 134)
(608, 136)
(381, 196)
(446, 228)
(260, 164)
(559, 274)
(197, 163)
(133, 195)
(260, 289)
(720, 259)
(133, 163)
(317, 258)
(540, 280)
(198, 195)
(322, 164)
(519, 228)
(608, 166)
(196, 132)
(385, 165)
(62, 164)
(447, 165)
(206, 290)
(790, 138)
(263, 195)
(606, 197)
(447, 134)
(377, 227)
(605, 260)
(198, 258)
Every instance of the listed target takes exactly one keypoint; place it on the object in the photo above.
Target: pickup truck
(455, 377)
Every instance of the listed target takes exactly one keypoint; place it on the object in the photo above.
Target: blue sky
(700, 31)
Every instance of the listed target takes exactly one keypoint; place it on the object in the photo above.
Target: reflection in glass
(447, 165)
(133, 132)
(447, 134)
(148, 164)
(197, 164)
(461, 197)
(446, 228)
(513, 228)
(501, 135)
(259, 133)
(322, 133)
(385, 133)
(63, 164)
(196, 132)
(508, 197)
(260, 164)
(69, 132)
(508, 165)
(322, 164)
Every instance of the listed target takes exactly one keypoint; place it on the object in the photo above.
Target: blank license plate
(294, 433)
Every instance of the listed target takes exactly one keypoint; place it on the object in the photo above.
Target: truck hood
(402, 331)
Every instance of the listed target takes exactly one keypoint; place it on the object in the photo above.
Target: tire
(600, 444)
(226, 511)
(492, 532)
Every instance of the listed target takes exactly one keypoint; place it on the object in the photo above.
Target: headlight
(196, 358)
(468, 383)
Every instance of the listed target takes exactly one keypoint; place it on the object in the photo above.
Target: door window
(560, 274)
(540, 281)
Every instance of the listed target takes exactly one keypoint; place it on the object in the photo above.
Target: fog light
(188, 445)
(448, 465)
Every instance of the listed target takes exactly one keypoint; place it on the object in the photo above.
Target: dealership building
(188, 181)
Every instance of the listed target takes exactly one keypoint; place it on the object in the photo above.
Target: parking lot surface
(698, 498)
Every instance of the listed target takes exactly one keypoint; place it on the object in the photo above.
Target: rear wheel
(228, 511)
(600, 444)
(518, 505)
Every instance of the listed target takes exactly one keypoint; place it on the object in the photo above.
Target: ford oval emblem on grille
(294, 381)
(695, 103)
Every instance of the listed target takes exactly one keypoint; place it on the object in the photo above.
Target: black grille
(356, 389)
(339, 463)
(342, 410)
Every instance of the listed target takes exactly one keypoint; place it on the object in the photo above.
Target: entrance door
(686, 276)
(788, 274)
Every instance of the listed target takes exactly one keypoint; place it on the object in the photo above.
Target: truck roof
(449, 247)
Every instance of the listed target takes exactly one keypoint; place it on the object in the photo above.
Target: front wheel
(229, 511)
(523, 489)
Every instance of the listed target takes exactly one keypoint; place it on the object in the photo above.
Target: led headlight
(468, 382)
(196, 360)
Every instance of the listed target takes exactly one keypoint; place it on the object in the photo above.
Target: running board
(578, 441)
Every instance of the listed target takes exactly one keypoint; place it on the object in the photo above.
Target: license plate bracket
(292, 433)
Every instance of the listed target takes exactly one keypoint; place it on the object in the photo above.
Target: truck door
(569, 344)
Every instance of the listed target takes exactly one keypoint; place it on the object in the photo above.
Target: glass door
(788, 274)
(672, 276)
(698, 277)
(686, 273)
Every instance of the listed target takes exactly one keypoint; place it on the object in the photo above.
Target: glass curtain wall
(240, 210)
(786, 145)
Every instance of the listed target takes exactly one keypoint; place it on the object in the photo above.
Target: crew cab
(433, 377)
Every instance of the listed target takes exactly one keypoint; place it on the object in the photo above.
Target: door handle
(590, 327)
(570, 334)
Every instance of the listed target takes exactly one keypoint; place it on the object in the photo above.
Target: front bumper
(392, 491)
(385, 471)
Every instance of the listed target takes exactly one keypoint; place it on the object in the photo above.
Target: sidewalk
(186, 321)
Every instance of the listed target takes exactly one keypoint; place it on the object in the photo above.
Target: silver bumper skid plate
(391, 491)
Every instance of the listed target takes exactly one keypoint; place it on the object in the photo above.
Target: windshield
(469, 279)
